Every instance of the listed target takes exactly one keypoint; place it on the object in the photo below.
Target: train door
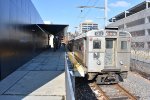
(110, 53)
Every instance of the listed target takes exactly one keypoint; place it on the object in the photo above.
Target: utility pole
(106, 9)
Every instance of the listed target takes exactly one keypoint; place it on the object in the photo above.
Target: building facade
(20, 37)
(87, 26)
(136, 20)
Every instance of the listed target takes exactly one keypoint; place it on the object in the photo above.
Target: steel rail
(103, 93)
(131, 96)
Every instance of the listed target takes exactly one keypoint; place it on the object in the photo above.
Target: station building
(23, 34)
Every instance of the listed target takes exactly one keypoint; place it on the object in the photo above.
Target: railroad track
(111, 92)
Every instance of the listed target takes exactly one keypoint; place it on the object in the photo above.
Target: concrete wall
(141, 67)
(20, 38)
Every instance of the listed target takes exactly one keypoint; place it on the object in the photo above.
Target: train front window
(109, 44)
(96, 44)
(123, 45)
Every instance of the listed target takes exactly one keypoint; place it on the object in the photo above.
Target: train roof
(92, 33)
(89, 33)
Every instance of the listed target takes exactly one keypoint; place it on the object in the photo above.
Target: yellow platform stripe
(77, 66)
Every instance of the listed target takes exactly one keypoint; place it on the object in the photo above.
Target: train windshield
(96, 44)
(109, 44)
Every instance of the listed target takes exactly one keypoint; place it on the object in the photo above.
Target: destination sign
(99, 33)
(111, 33)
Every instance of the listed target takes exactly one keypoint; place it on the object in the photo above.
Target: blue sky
(66, 11)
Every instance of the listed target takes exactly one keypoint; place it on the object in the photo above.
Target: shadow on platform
(42, 78)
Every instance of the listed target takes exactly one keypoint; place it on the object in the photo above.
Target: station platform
(42, 78)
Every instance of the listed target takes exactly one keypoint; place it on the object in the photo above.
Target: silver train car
(104, 54)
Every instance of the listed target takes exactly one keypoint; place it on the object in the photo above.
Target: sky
(68, 11)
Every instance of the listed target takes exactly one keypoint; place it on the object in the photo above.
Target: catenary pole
(105, 8)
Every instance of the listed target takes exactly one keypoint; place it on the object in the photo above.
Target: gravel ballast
(137, 85)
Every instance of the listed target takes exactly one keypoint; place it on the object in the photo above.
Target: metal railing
(69, 84)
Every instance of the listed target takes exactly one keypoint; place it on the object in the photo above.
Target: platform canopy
(54, 29)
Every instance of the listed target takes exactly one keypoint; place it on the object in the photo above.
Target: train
(104, 54)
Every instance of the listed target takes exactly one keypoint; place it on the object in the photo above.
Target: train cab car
(104, 54)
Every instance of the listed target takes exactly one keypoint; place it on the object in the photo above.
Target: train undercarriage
(107, 77)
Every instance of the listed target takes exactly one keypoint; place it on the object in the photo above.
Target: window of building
(95, 24)
(148, 43)
(138, 33)
(121, 27)
(84, 28)
(138, 45)
(84, 31)
(148, 19)
(95, 28)
(136, 22)
(123, 45)
(148, 31)
(84, 24)
(96, 44)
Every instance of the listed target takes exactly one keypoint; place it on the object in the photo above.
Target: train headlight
(125, 66)
(98, 62)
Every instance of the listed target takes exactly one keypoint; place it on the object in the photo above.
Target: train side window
(109, 44)
(79, 47)
(123, 45)
(96, 44)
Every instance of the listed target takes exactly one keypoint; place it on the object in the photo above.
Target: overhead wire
(81, 12)
(89, 9)
(83, 15)
(85, 5)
